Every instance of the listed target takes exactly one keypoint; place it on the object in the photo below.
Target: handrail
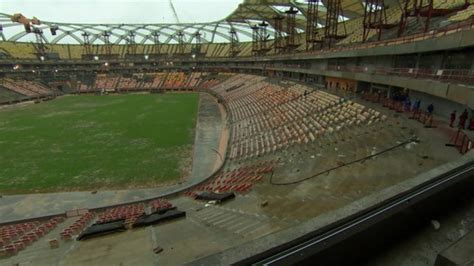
(460, 75)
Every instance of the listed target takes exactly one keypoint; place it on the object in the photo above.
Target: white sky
(120, 11)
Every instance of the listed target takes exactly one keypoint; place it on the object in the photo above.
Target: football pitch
(97, 142)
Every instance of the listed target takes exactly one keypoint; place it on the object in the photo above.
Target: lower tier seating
(30, 89)
(266, 117)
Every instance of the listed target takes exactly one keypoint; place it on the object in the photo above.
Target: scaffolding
(87, 47)
(131, 44)
(333, 15)
(375, 18)
(426, 9)
(196, 49)
(263, 38)
(279, 41)
(291, 29)
(181, 47)
(156, 43)
(39, 46)
(312, 25)
(107, 48)
(255, 39)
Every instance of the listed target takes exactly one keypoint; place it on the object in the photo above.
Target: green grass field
(97, 142)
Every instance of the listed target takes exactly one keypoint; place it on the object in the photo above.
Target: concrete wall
(443, 107)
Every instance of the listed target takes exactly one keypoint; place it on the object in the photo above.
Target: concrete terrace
(270, 213)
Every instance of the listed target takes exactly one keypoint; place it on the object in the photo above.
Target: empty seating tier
(174, 81)
(31, 89)
(266, 117)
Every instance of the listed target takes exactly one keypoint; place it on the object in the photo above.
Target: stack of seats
(129, 213)
(159, 205)
(77, 227)
(16, 237)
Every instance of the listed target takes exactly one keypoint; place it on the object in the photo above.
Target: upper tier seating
(463, 14)
(448, 4)
(355, 30)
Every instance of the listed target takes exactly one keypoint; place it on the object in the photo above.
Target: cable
(175, 14)
(412, 139)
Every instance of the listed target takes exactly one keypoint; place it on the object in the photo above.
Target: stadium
(327, 132)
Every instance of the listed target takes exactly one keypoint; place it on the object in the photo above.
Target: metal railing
(459, 75)
(462, 142)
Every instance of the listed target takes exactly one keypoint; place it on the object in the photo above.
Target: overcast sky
(120, 11)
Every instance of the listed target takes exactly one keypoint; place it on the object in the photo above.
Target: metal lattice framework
(236, 27)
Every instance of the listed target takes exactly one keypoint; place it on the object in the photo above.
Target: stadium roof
(248, 13)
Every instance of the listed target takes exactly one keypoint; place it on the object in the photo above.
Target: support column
(375, 18)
